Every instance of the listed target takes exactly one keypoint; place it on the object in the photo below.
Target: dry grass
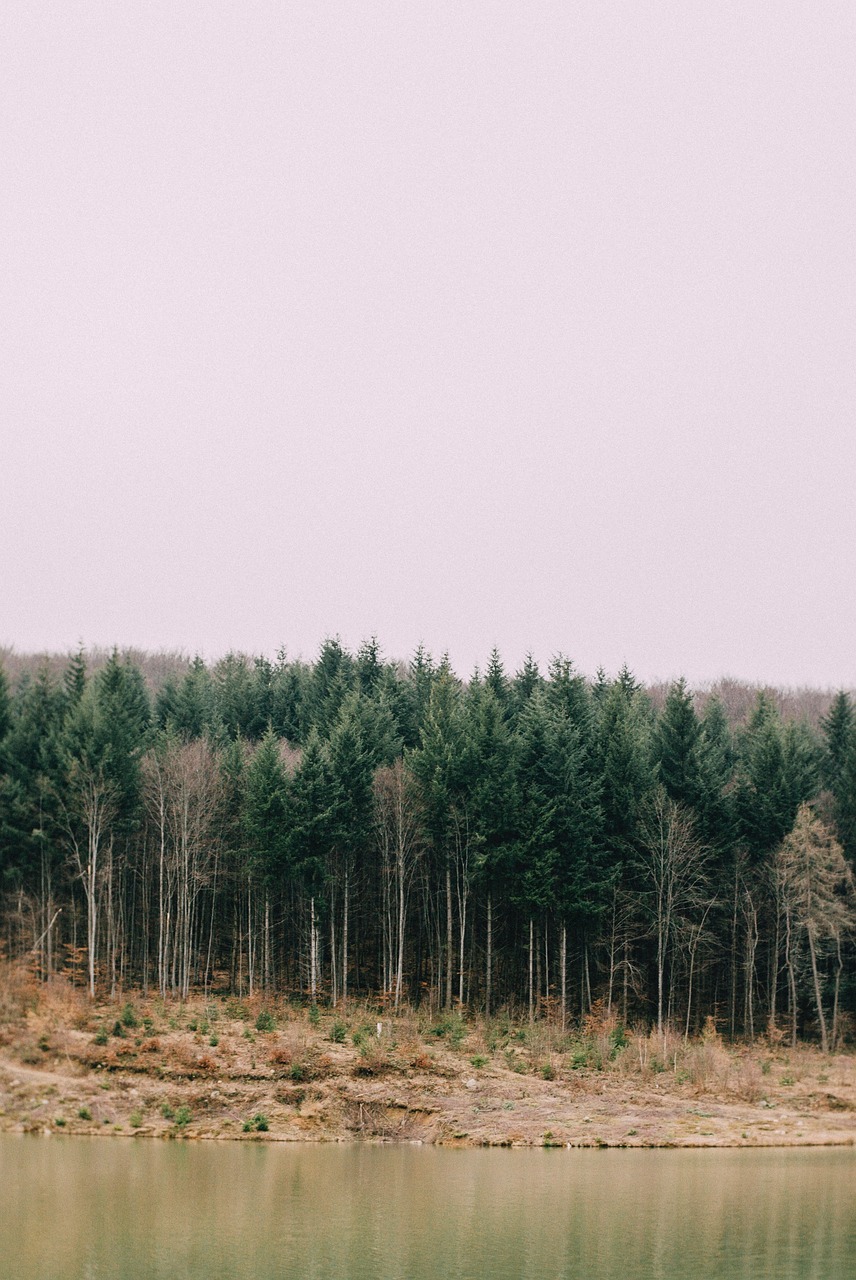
(496, 1080)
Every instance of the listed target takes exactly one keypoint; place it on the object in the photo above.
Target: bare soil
(212, 1069)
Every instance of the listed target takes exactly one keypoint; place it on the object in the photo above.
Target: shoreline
(228, 1070)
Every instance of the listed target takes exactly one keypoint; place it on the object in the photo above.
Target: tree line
(536, 840)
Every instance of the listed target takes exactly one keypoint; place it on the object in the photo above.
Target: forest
(538, 841)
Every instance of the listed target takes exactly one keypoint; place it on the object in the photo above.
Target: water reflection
(73, 1207)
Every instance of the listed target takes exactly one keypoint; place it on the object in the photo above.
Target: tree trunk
(563, 963)
(531, 969)
(489, 956)
(821, 1017)
(450, 950)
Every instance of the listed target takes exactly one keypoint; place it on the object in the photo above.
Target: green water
(93, 1208)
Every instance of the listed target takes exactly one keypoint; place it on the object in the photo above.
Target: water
(128, 1210)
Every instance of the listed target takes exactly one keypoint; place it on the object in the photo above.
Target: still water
(141, 1210)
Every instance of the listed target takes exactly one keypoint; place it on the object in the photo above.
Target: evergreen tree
(264, 811)
(677, 748)
(839, 731)
(525, 683)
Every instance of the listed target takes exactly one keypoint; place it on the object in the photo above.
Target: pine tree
(839, 730)
(677, 748)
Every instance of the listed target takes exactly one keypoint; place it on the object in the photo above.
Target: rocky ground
(252, 1070)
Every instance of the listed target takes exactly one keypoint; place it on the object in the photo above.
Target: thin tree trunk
(821, 1017)
(489, 956)
(345, 904)
(531, 970)
(563, 962)
(312, 953)
(450, 950)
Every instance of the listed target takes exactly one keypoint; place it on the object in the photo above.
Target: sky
(471, 324)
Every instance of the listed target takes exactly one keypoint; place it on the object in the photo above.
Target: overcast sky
(471, 323)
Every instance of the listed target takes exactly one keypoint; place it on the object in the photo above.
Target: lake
(129, 1209)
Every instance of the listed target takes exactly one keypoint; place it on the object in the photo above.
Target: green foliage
(338, 1032)
(128, 1016)
(258, 1124)
(182, 1116)
(101, 1035)
(84, 1113)
(265, 1021)
(314, 1015)
(167, 1111)
(135, 1119)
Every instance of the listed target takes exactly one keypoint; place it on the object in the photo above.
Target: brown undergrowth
(271, 1069)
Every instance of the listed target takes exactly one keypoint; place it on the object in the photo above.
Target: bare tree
(673, 863)
(87, 818)
(815, 890)
(398, 818)
(183, 790)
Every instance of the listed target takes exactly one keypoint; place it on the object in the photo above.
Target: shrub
(338, 1031)
(259, 1124)
(128, 1017)
(182, 1116)
(135, 1119)
(118, 1029)
(314, 1015)
(478, 1061)
(84, 1114)
(101, 1036)
(214, 1041)
(265, 1021)
(167, 1112)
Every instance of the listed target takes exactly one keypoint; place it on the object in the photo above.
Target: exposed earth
(269, 1070)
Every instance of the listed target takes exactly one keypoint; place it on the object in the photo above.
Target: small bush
(214, 1041)
(167, 1112)
(84, 1114)
(314, 1015)
(128, 1017)
(265, 1021)
(478, 1061)
(101, 1036)
(182, 1116)
(118, 1029)
(135, 1119)
(59, 1121)
(338, 1031)
(258, 1124)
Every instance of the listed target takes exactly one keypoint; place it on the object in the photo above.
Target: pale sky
(472, 323)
